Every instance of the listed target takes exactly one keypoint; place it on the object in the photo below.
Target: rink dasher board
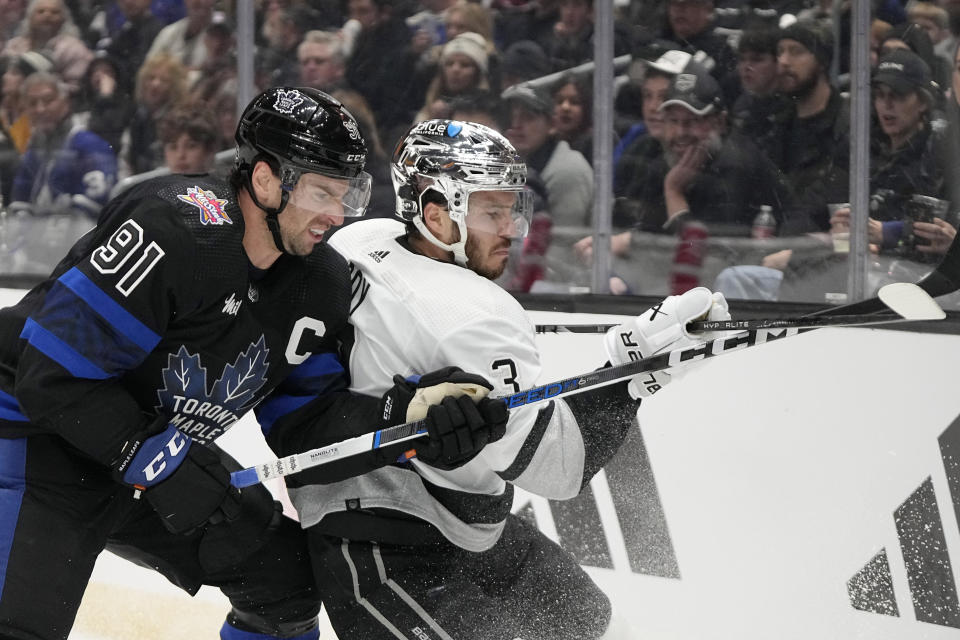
(777, 475)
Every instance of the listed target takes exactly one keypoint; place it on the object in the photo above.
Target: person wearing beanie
(523, 60)
(463, 70)
(811, 144)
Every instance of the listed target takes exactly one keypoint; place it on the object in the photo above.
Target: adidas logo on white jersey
(378, 256)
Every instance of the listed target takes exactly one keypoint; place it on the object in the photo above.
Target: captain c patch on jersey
(211, 207)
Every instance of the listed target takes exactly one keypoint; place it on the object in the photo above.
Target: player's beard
(294, 244)
(473, 250)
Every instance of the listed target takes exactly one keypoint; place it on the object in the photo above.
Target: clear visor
(502, 212)
(319, 194)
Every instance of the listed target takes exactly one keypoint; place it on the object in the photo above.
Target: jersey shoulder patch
(212, 209)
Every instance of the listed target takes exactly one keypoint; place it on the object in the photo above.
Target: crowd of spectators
(729, 108)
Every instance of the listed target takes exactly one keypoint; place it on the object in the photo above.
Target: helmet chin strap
(273, 224)
(459, 248)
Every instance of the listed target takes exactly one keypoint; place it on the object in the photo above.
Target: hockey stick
(601, 377)
(748, 324)
(908, 301)
(905, 299)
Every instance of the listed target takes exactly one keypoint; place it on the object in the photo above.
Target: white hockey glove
(662, 328)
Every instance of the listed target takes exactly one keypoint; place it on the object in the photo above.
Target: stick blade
(910, 301)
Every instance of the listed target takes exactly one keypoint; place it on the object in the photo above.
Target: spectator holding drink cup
(907, 162)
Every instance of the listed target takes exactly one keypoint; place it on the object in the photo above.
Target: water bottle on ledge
(764, 225)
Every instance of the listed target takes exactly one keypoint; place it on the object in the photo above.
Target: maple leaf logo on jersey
(204, 413)
(287, 101)
(211, 207)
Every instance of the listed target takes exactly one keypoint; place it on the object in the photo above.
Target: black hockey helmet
(303, 130)
(456, 159)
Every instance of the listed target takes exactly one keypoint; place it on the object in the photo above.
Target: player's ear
(265, 184)
(437, 220)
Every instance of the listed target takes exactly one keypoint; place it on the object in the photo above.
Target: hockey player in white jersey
(415, 551)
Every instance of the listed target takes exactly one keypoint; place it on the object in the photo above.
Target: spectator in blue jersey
(66, 169)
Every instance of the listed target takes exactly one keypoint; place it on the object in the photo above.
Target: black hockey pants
(524, 587)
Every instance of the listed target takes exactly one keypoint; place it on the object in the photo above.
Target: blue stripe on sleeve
(10, 408)
(277, 407)
(13, 462)
(60, 352)
(118, 317)
(323, 364)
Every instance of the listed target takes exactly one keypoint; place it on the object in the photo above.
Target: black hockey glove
(184, 482)
(226, 543)
(461, 420)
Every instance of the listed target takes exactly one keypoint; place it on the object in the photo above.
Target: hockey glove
(185, 483)
(662, 328)
(227, 542)
(461, 419)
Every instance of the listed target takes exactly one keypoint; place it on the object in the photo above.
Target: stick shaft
(568, 386)
(812, 322)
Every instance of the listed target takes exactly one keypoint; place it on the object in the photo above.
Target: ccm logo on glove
(155, 458)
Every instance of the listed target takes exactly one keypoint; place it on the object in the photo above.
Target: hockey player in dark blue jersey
(191, 302)
(66, 168)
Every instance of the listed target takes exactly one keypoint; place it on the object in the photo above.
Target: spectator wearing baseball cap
(811, 143)
(705, 174)
(641, 144)
(909, 157)
(566, 174)
(915, 38)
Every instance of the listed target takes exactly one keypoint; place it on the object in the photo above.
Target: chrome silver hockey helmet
(455, 160)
